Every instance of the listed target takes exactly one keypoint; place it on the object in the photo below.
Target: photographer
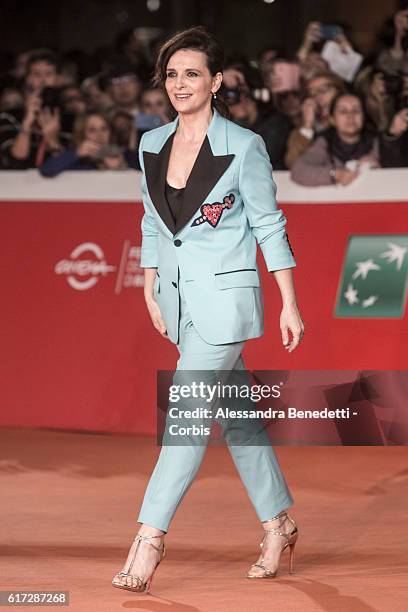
(260, 117)
(318, 94)
(27, 137)
(282, 79)
(96, 99)
(124, 87)
(93, 150)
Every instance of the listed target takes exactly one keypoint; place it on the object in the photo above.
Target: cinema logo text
(87, 264)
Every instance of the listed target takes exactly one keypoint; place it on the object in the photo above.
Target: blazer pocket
(247, 277)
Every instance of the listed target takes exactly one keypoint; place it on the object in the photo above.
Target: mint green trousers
(178, 465)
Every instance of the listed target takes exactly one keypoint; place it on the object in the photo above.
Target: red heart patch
(212, 213)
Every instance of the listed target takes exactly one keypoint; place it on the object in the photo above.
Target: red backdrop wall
(86, 358)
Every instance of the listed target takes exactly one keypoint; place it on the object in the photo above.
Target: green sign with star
(374, 277)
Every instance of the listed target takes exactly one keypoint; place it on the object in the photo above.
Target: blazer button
(174, 284)
(177, 242)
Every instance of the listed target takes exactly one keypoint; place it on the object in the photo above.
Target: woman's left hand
(291, 321)
(368, 160)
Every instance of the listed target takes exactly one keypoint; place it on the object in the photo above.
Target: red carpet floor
(70, 503)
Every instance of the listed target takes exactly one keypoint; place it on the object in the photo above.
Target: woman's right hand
(32, 107)
(87, 148)
(399, 124)
(345, 177)
(309, 112)
(313, 34)
(156, 316)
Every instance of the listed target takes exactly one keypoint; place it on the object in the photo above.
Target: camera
(231, 95)
(329, 32)
(50, 97)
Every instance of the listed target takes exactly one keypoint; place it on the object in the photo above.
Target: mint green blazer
(229, 207)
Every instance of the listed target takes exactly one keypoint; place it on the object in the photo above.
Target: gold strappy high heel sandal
(291, 538)
(140, 586)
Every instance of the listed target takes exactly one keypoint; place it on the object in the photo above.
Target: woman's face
(41, 74)
(94, 96)
(313, 63)
(348, 117)
(189, 83)
(322, 90)
(154, 102)
(73, 101)
(11, 98)
(289, 103)
(125, 89)
(97, 130)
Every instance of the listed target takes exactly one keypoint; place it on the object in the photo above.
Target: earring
(214, 95)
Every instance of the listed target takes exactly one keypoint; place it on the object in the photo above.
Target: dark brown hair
(196, 38)
(335, 81)
(343, 94)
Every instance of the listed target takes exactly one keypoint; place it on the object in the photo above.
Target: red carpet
(70, 503)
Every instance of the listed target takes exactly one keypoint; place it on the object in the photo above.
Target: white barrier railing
(380, 185)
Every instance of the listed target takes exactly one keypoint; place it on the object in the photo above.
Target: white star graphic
(369, 301)
(363, 268)
(351, 294)
(396, 253)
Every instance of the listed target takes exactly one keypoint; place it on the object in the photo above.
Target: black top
(174, 197)
(207, 170)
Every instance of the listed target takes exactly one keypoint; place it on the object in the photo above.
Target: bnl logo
(374, 277)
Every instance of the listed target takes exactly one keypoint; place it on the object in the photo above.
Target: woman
(208, 196)
(92, 149)
(155, 102)
(395, 36)
(319, 93)
(380, 106)
(260, 117)
(343, 151)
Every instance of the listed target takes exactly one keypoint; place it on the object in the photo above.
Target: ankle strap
(276, 530)
(282, 514)
(139, 538)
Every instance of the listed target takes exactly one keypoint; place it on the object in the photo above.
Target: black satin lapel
(156, 172)
(207, 171)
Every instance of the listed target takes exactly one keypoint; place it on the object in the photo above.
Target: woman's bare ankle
(147, 530)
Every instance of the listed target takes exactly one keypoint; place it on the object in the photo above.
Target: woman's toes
(135, 582)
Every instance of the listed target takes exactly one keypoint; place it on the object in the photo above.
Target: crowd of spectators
(327, 114)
